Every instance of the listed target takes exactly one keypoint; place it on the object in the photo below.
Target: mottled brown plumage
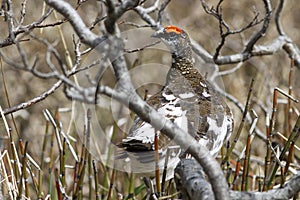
(187, 99)
(194, 94)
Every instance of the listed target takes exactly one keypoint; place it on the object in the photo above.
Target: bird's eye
(172, 34)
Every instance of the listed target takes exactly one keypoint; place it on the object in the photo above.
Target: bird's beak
(158, 33)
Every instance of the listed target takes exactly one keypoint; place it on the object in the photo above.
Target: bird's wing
(215, 120)
(141, 134)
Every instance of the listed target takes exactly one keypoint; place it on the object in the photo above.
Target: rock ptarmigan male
(188, 100)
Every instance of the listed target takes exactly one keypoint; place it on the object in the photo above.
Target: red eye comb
(174, 29)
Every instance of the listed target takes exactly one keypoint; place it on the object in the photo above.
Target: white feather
(205, 94)
(186, 95)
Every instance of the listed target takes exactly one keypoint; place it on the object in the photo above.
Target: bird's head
(176, 39)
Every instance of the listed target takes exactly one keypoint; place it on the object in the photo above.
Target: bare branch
(33, 101)
(248, 50)
(161, 10)
(24, 29)
(115, 14)
(263, 29)
(200, 51)
(277, 18)
(141, 48)
(191, 181)
(217, 13)
(152, 8)
(258, 50)
(80, 28)
(146, 17)
(293, 51)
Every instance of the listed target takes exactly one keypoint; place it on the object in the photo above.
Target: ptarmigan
(188, 100)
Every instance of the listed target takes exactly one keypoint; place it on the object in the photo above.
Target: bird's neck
(183, 65)
(183, 73)
(182, 52)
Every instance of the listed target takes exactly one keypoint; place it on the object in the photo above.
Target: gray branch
(258, 35)
(115, 14)
(87, 36)
(191, 182)
(35, 100)
(252, 49)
